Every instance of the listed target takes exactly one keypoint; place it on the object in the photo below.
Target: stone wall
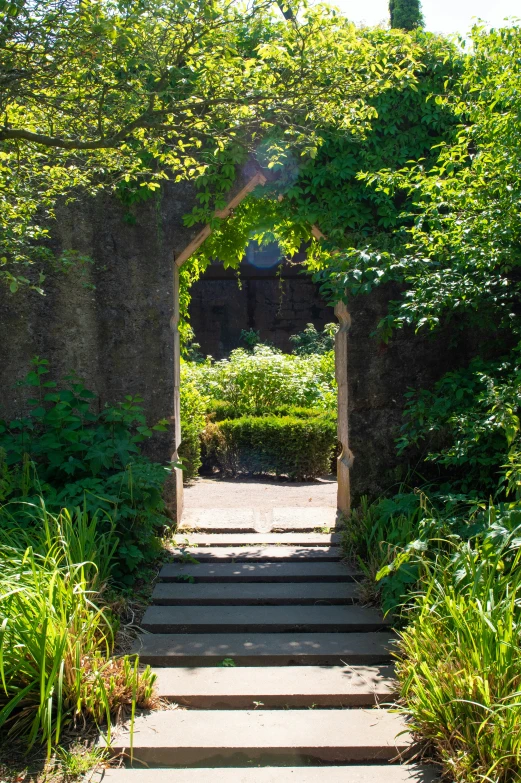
(379, 375)
(277, 303)
(110, 320)
(112, 326)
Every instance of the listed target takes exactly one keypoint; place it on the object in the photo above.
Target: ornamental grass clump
(460, 663)
(56, 641)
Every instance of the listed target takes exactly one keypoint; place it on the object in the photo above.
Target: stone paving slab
(193, 737)
(221, 554)
(390, 773)
(261, 619)
(294, 518)
(265, 493)
(254, 539)
(268, 649)
(222, 520)
(277, 686)
(261, 520)
(260, 572)
(240, 594)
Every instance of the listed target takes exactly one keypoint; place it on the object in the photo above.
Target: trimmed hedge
(219, 410)
(298, 447)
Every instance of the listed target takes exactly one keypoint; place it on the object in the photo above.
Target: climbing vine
(336, 188)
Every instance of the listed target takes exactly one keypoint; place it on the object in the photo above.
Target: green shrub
(310, 340)
(453, 567)
(265, 379)
(250, 337)
(71, 452)
(56, 641)
(193, 421)
(375, 535)
(262, 382)
(469, 423)
(300, 448)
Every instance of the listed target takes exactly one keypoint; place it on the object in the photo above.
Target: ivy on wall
(335, 188)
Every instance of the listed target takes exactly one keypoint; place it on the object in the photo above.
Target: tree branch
(286, 11)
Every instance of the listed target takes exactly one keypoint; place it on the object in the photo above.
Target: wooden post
(345, 460)
(177, 482)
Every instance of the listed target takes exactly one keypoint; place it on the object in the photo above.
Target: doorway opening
(290, 364)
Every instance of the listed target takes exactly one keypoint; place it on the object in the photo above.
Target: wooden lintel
(195, 244)
(317, 233)
(257, 179)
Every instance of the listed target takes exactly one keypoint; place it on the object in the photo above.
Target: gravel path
(260, 494)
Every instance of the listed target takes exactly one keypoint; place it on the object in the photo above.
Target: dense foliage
(461, 660)
(405, 121)
(450, 568)
(469, 423)
(266, 378)
(194, 406)
(122, 94)
(75, 452)
(459, 260)
(56, 637)
(262, 411)
(310, 340)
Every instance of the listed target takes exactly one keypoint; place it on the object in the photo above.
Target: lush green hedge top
(265, 379)
(219, 410)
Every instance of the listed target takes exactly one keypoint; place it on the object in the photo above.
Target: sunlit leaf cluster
(125, 94)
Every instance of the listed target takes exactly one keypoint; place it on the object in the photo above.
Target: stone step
(277, 686)
(303, 593)
(391, 773)
(261, 619)
(301, 519)
(192, 737)
(259, 572)
(259, 554)
(222, 520)
(257, 539)
(254, 520)
(268, 649)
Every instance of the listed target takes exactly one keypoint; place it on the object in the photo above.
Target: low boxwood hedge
(298, 447)
(219, 410)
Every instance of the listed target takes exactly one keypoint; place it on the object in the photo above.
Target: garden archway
(345, 458)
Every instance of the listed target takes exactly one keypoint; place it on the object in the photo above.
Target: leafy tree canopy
(335, 189)
(428, 197)
(461, 251)
(126, 93)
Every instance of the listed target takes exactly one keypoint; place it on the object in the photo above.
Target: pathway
(308, 668)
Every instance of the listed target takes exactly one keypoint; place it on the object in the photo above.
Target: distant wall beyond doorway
(276, 302)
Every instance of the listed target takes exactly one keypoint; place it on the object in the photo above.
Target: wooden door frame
(345, 460)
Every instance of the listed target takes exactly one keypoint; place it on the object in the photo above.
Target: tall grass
(55, 639)
(450, 570)
(460, 663)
